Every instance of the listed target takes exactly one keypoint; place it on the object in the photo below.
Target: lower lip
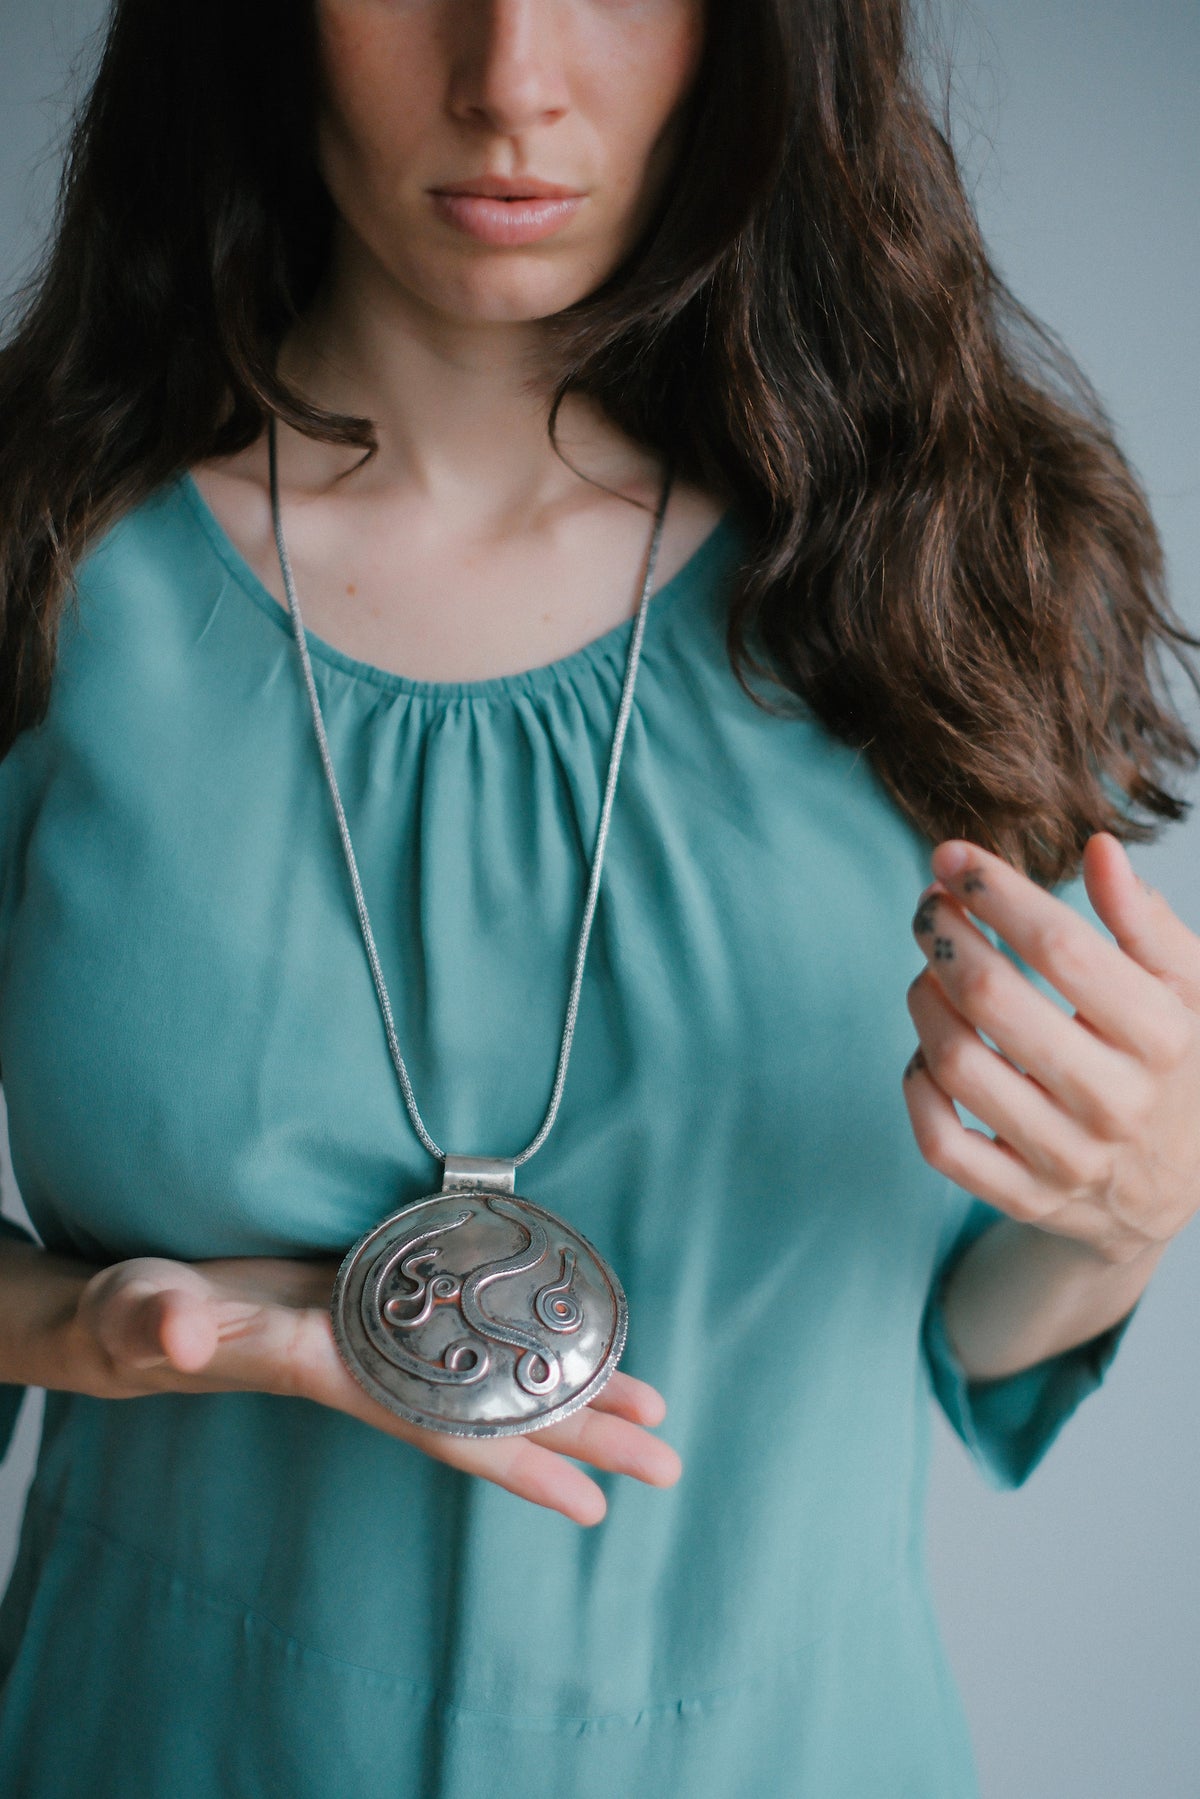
(506, 221)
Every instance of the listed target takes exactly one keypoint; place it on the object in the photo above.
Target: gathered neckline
(544, 676)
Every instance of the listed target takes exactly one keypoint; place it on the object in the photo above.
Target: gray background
(1071, 1608)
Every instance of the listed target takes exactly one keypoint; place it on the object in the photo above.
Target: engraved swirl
(556, 1305)
(427, 1291)
(466, 1360)
(535, 1354)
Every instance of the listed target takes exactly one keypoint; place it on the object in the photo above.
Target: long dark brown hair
(949, 560)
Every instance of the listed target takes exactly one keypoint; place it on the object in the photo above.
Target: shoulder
(693, 515)
(142, 587)
(126, 668)
(157, 543)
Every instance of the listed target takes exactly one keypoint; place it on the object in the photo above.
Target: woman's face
(419, 95)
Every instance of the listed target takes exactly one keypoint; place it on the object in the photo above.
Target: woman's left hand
(1096, 1115)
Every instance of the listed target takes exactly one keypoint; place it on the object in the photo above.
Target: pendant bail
(494, 1174)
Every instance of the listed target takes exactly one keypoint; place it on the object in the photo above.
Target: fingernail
(673, 1471)
(953, 857)
(923, 918)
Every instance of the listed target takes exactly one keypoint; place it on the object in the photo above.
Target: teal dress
(240, 1596)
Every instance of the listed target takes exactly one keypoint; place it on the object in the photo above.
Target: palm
(261, 1324)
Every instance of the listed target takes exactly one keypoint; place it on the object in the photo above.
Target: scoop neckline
(543, 676)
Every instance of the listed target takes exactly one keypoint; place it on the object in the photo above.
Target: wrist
(1021, 1294)
(42, 1342)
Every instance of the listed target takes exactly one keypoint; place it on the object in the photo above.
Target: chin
(495, 294)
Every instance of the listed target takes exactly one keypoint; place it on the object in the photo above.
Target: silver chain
(614, 762)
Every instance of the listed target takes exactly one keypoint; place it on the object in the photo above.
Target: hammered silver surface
(478, 1313)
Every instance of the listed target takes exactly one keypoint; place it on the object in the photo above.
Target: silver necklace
(472, 1310)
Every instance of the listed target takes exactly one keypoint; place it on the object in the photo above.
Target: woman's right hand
(262, 1324)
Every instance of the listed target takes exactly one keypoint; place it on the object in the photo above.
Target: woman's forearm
(39, 1294)
(1020, 1294)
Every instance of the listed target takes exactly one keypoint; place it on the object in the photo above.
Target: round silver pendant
(478, 1313)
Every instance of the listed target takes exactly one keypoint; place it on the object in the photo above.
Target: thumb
(1140, 919)
(175, 1327)
(147, 1314)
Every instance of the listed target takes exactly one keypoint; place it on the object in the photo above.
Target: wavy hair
(950, 563)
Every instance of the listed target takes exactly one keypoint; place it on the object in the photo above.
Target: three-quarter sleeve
(1010, 1422)
(10, 1395)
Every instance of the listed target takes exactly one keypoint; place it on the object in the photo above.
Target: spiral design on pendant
(538, 1370)
(556, 1305)
(467, 1359)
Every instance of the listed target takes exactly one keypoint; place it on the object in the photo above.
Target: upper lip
(508, 187)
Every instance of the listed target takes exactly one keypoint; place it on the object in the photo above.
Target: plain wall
(1071, 1608)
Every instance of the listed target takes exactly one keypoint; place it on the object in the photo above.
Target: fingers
(172, 1327)
(964, 1068)
(163, 1325)
(525, 1467)
(1075, 1065)
(1124, 1002)
(539, 1466)
(972, 1160)
(632, 1399)
(1140, 918)
(614, 1444)
(150, 1313)
(535, 1466)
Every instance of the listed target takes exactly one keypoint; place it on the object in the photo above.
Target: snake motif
(556, 1305)
(426, 1291)
(466, 1360)
(534, 1353)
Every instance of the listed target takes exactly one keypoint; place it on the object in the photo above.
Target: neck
(459, 407)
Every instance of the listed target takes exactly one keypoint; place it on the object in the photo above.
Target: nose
(508, 70)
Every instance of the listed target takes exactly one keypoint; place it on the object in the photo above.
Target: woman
(761, 330)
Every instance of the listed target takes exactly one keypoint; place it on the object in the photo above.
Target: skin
(436, 337)
(1096, 1126)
